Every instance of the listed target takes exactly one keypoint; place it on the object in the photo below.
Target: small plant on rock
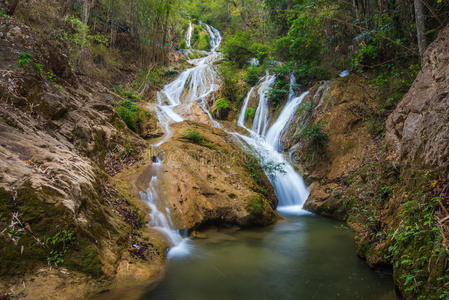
(59, 245)
(250, 113)
(221, 108)
(194, 136)
(24, 59)
(315, 136)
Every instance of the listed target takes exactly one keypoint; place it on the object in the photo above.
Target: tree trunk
(85, 20)
(420, 27)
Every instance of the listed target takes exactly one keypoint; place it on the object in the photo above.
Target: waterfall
(161, 220)
(215, 37)
(261, 118)
(273, 136)
(194, 85)
(189, 35)
(254, 62)
(241, 120)
(288, 185)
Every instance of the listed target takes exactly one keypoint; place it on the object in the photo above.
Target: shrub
(203, 42)
(250, 113)
(309, 73)
(221, 108)
(131, 115)
(315, 136)
(260, 51)
(257, 165)
(183, 44)
(194, 136)
(59, 245)
(232, 87)
(24, 59)
(236, 49)
(280, 90)
(129, 95)
(252, 75)
(195, 35)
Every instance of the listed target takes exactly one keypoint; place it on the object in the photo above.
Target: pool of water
(303, 257)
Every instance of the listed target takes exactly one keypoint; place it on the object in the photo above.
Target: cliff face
(392, 189)
(417, 131)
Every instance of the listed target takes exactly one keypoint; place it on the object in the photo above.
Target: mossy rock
(260, 211)
(41, 220)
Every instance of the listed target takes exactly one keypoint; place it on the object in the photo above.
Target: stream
(301, 257)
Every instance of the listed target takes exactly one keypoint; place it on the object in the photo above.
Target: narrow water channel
(303, 257)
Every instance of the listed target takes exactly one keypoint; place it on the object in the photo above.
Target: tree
(85, 20)
(420, 27)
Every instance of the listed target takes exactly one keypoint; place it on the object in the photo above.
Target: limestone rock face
(340, 107)
(208, 181)
(418, 130)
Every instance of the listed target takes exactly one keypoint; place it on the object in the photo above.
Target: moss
(85, 260)
(44, 219)
(260, 212)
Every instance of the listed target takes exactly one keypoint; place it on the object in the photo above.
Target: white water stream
(189, 35)
(194, 85)
(289, 186)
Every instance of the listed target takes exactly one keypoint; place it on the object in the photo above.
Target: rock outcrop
(208, 180)
(418, 130)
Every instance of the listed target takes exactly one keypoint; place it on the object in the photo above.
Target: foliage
(250, 113)
(416, 243)
(257, 165)
(260, 51)
(129, 95)
(194, 136)
(24, 59)
(232, 87)
(237, 49)
(79, 34)
(308, 73)
(183, 44)
(221, 108)
(131, 114)
(203, 42)
(221, 104)
(315, 136)
(253, 74)
(59, 245)
(195, 35)
(279, 92)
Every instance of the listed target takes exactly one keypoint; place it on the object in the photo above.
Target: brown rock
(418, 130)
(208, 182)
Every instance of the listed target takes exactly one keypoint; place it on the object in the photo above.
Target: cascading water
(191, 86)
(194, 86)
(161, 220)
(189, 35)
(215, 37)
(241, 120)
(289, 186)
(261, 117)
